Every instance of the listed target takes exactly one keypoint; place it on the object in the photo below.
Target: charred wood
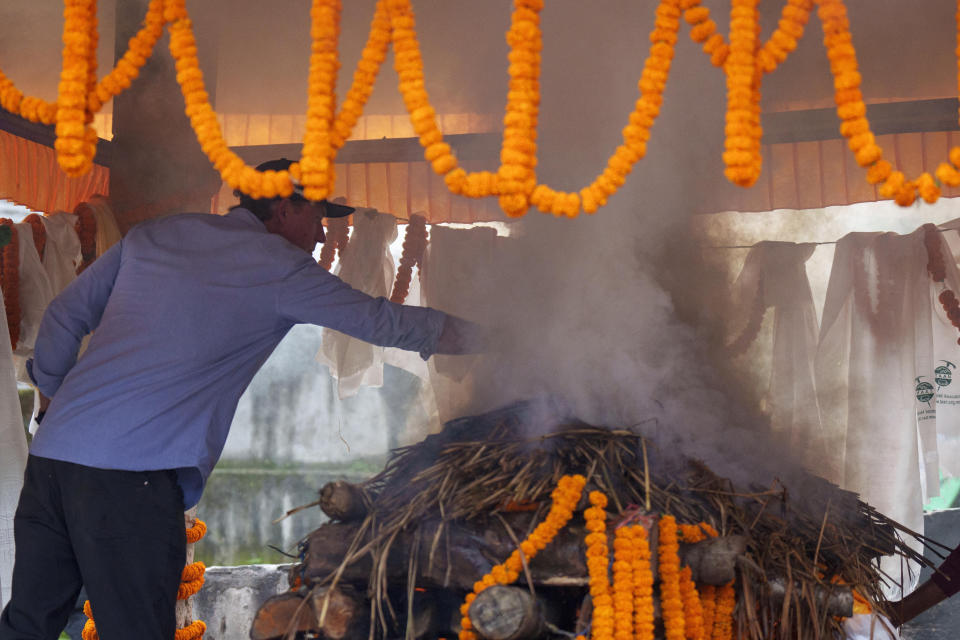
(714, 560)
(343, 501)
(508, 613)
(835, 599)
(339, 614)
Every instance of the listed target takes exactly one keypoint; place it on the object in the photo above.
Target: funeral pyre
(485, 530)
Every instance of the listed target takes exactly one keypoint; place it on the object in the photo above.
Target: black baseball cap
(333, 209)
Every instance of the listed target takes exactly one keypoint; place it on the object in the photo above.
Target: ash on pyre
(407, 552)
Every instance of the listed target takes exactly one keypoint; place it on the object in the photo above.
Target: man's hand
(461, 336)
(44, 402)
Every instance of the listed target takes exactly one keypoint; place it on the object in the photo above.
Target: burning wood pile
(442, 543)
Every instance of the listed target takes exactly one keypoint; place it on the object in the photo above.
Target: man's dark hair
(262, 208)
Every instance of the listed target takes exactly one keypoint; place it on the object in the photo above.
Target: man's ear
(281, 209)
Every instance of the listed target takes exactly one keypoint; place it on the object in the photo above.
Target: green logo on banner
(924, 391)
(942, 374)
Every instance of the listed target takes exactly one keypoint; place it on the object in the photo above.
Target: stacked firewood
(404, 549)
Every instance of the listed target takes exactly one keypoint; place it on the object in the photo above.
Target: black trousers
(119, 533)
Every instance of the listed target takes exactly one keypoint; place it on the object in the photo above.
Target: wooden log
(340, 614)
(507, 613)
(714, 560)
(835, 599)
(465, 551)
(184, 608)
(343, 501)
(274, 617)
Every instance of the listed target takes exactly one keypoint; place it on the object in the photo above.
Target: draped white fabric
(452, 259)
(62, 254)
(13, 458)
(35, 295)
(865, 626)
(774, 276)
(368, 266)
(883, 334)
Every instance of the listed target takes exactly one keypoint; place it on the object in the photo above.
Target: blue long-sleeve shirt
(185, 311)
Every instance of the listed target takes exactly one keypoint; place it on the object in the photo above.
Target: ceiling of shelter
(260, 51)
(257, 53)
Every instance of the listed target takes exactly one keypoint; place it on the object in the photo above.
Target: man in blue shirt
(184, 310)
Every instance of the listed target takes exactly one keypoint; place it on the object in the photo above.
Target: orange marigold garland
(671, 603)
(597, 564)
(742, 143)
(86, 228)
(364, 76)
(139, 49)
(338, 234)
(564, 498)
(518, 154)
(708, 605)
(39, 231)
(938, 273)
(233, 170)
(653, 81)
(853, 111)
(10, 282)
(692, 608)
(316, 163)
(624, 551)
(643, 624)
(414, 244)
(723, 613)
(76, 139)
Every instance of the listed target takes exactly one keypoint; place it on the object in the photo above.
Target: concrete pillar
(158, 166)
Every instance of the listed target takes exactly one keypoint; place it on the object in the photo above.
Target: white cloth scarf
(368, 266)
(883, 333)
(13, 458)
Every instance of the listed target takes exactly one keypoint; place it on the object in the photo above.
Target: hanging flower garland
(933, 243)
(624, 551)
(10, 281)
(744, 61)
(139, 49)
(704, 31)
(692, 608)
(643, 620)
(203, 119)
(76, 139)
(86, 228)
(597, 564)
(191, 580)
(39, 231)
(338, 234)
(414, 244)
(518, 154)
(564, 498)
(409, 66)
(653, 81)
(364, 76)
(316, 163)
(723, 613)
(782, 42)
(671, 602)
(742, 142)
